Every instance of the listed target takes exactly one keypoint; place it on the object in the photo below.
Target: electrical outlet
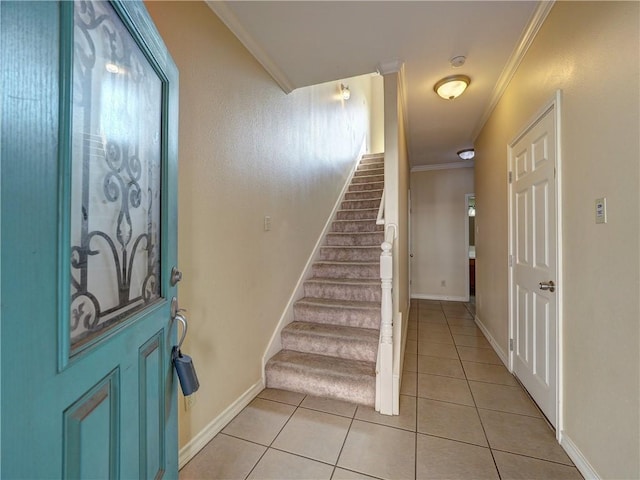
(267, 223)
(189, 402)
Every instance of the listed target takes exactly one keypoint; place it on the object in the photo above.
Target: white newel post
(386, 327)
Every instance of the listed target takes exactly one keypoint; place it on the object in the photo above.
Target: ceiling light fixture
(452, 87)
(345, 92)
(467, 154)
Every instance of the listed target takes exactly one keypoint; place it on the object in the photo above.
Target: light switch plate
(601, 210)
(267, 223)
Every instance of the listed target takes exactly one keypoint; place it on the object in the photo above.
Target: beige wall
(247, 150)
(590, 51)
(438, 225)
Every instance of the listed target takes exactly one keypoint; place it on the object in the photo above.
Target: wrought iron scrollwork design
(112, 174)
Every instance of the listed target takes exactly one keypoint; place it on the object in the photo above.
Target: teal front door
(88, 233)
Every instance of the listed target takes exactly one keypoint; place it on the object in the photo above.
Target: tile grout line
(276, 436)
(344, 442)
(495, 464)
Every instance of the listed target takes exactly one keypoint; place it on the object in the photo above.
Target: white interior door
(532, 160)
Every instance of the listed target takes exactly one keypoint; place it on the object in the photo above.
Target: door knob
(176, 276)
(548, 286)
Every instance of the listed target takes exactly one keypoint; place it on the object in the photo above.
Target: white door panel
(533, 246)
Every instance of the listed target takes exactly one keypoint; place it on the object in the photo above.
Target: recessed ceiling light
(452, 87)
(467, 154)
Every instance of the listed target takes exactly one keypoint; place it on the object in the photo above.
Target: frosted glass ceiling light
(452, 87)
(467, 154)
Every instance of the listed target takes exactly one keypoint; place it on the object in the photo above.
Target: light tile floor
(462, 416)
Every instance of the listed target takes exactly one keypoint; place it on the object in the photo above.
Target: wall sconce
(467, 154)
(452, 87)
(345, 92)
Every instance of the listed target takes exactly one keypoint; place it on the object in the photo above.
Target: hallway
(462, 415)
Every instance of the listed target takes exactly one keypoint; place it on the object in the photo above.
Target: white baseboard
(275, 345)
(200, 440)
(448, 298)
(578, 459)
(496, 346)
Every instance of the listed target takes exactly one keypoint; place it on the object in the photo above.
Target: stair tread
(345, 281)
(334, 331)
(349, 262)
(356, 220)
(381, 182)
(354, 233)
(323, 364)
(329, 302)
(359, 210)
(352, 246)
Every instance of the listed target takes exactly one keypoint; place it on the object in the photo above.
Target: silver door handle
(181, 318)
(548, 286)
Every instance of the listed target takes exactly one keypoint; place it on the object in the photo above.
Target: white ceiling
(311, 42)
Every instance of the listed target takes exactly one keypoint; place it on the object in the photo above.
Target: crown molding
(443, 166)
(393, 66)
(225, 14)
(528, 35)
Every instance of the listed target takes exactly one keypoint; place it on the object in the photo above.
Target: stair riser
(360, 187)
(360, 293)
(345, 271)
(367, 179)
(370, 167)
(359, 204)
(368, 160)
(356, 226)
(352, 317)
(368, 239)
(370, 214)
(351, 349)
(372, 171)
(364, 195)
(350, 254)
(361, 392)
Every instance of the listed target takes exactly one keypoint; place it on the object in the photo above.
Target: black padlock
(186, 372)
(183, 364)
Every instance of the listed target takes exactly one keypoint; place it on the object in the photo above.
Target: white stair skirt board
(199, 441)
(326, 343)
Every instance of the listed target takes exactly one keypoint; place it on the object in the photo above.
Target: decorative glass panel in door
(115, 188)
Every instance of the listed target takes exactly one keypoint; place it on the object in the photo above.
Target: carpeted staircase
(330, 348)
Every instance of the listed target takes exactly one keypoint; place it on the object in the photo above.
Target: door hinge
(511, 344)
(511, 260)
(510, 177)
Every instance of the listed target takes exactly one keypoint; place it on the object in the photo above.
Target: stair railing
(384, 368)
